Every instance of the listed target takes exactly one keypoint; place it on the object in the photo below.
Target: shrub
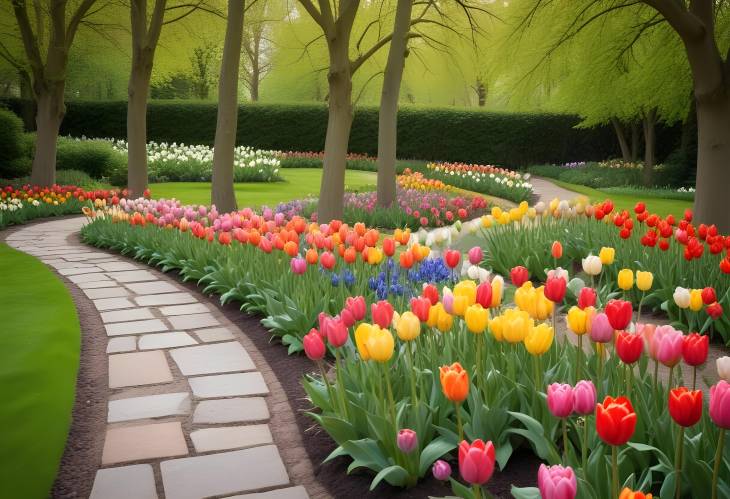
(63, 177)
(11, 145)
(590, 174)
(97, 158)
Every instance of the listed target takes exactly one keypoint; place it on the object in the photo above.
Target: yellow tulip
(539, 339)
(496, 212)
(433, 314)
(523, 207)
(516, 324)
(476, 318)
(515, 214)
(467, 289)
(495, 327)
(487, 221)
(459, 305)
(607, 255)
(497, 290)
(533, 301)
(444, 320)
(424, 251)
(504, 219)
(362, 333)
(577, 320)
(626, 279)
(695, 300)
(532, 213)
(380, 344)
(554, 204)
(375, 256)
(644, 280)
(407, 326)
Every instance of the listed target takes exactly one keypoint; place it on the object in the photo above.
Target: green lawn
(626, 202)
(299, 182)
(39, 358)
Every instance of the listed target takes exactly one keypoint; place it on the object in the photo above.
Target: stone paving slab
(121, 344)
(214, 334)
(150, 441)
(231, 437)
(228, 385)
(165, 340)
(209, 359)
(288, 493)
(191, 308)
(125, 482)
(151, 288)
(95, 294)
(113, 303)
(223, 473)
(127, 315)
(135, 327)
(98, 284)
(139, 368)
(193, 321)
(164, 299)
(132, 276)
(117, 266)
(95, 277)
(231, 410)
(78, 270)
(151, 406)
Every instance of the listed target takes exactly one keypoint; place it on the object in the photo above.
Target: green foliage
(643, 192)
(63, 177)
(591, 175)
(11, 144)
(96, 158)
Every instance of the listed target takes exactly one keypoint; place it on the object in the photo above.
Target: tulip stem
(565, 439)
(669, 382)
(694, 377)
(656, 373)
(459, 426)
(327, 384)
(578, 358)
(678, 464)
(391, 402)
(412, 370)
(584, 454)
(340, 384)
(536, 367)
(718, 461)
(477, 491)
(614, 471)
(638, 312)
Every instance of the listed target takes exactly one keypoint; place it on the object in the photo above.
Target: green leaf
(525, 492)
(434, 450)
(394, 475)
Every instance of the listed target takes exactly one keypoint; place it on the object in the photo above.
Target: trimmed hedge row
(474, 136)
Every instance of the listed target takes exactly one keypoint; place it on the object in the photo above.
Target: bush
(63, 177)
(96, 158)
(590, 174)
(12, 161)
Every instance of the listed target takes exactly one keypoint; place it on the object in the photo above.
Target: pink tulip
(647, 332)
(448, 302)
(720, 404)
(475, 255)
(557, 482)
(313, 345)
(560, 399)
(337, 334)
(382, 313)
(476, 461)
(407, 441)
(347, 318)
(601, 330)
(584, 397)
(668, 344)
(298, 265)
(441, 470)
(356, 306)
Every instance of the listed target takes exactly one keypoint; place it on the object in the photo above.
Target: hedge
(475, 136)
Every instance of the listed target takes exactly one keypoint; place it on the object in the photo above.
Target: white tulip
(723, 368)
(682, 298)
(592, 265)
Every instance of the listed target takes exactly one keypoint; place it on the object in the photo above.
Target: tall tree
(48, 75)
(222, 192)
(257, 44)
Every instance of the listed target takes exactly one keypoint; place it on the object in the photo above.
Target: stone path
(544, 190)
(187, 410)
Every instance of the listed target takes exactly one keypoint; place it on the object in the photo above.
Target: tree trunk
(649, 147)
(388, 117)
(28, 110)
(635, 141)
(222, 193)
(138, 90)
(481, 93)
(48, 121)
(339, 122)
(623, 144)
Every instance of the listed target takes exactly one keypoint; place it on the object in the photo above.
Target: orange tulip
(454, 382)
(627, 493)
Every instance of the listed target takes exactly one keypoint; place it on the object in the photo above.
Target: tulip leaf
(394, 475)
(525, 492)
(460, 489)
(365, 453)
(434, 450)
(504, 452)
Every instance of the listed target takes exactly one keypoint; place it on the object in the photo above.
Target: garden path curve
(193, 410)
(544, 190)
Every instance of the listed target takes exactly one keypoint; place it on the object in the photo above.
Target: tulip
(497, 289)
(327, 259)
(708, 295)
(484, 294)
(682, 297)
(455, 386)
(382, 313)
(476, 461)
(533, 301)
(495, 327)
(695, 348)
(606, 255)
(298, 265)
(431, 292)
(644, 280)
(362, 333)
(444, 320)
(558, 272)
(468, 289)
(407, 441)
(627, 493)
(421, 306)
(584, 397)
(347, 318)
(441, 470)
(380, 345)
(576, 320)
(556, 250)
(668, 346)
(601, 330)
(560, 399)
(723, 368)
(389, 246)
(555, 288)
(448, 300)
(586, 297)
(629, 347)
(313, 345)
(685, 407)
(714, 310)
(720, 415)
(452, 257)
(619, 313)
(695, 300)
(615, 425)
(625, 279)
(475, 255)
(557, 482)
(515, 325)
(459, 304)
(519, 275)
(356, 306)
(592, 265)
(539, 339)
(334, 330)
(407, 326)
(476, 318)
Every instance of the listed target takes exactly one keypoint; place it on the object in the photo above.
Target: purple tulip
(557, 482)
(441, 470)
(584, 397)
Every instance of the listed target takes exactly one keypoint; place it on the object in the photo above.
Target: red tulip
(313, 345)
(619, 313)
(519, 275)
(694, 349)
(336, 331)
(432, 293)
(476, 461)
(356, 306)
(555, 287)
(382, 313)
(615, 420)
(685, 406)
(556, 250)
(484, 294)
(389, 246)
(714, 310)
(452, 257)
(629, 347)
(420, 307)
(640, 207)
(586, 297)
(708, 295)
(327, 260)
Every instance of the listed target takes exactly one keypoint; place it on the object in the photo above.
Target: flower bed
(490, 180)
(194, 163)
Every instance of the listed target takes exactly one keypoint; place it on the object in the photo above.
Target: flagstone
(135, 443)
(78, 270)
(127, 315)
(216, 358)
(230, 437)
(113, 303)
(136, 481)
(151, 406)
(115, 266)
(121, 344)
(98, 284)
(95, 277)
(231, 410)
(297, 492)
(214, 334)
(193, 321)
(192, 308)
(151, 288)
(106, 293)
(165, 340)
(165, 299)
(132, 276)
(138, 368)
(135, 327)
(228, 385)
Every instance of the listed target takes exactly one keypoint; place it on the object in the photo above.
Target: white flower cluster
(514, 180)
(12, 204)
(686, 189)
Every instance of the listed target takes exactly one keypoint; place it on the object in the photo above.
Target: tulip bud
(695, 300)
(592, 265)
(644, 280)
(441, 470)
(681, 297)
(584, 397)
(475, 255)
(720, 404)
(606, 255)
(313, 345)
(557, 482)
(407, 441)
(560, 399)
(601, 330)
(625, 279)
(723, 368)
(557, 250)
(586, 297)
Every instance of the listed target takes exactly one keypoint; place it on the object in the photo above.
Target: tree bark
(649, 122)
(222, 193)
(388, 117)
(48, 122)
(635, 141)
(621, 136)
(339, 122)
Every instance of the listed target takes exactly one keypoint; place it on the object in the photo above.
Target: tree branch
(313, 12)
(76, 19)
(30, 44)
(686, 24)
